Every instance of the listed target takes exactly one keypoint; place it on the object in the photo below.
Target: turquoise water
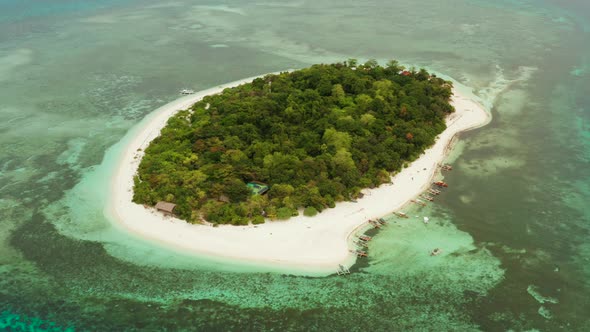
(76, 76)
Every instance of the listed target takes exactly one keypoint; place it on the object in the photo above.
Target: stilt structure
(342, 270)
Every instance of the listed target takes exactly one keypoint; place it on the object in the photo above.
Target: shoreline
(316, 243)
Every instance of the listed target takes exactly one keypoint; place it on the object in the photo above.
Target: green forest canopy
(315, 136)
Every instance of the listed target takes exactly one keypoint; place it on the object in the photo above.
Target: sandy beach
(318, 243)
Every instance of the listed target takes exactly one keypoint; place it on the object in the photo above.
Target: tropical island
(301, 245)
(300, 140)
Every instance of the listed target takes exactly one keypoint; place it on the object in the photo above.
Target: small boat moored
(365, 238)
(441, 184)
(419, 202)
(428, 198)
(359, 253)
(433, 191)
(446, 167)
(435, 252)
(361, 244)
(187, 92)
(375, 223)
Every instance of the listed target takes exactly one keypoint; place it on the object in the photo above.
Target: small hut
(165, 207)
(223, 198)
(258, 188)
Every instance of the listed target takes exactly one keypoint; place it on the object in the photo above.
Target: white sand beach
(318, 243)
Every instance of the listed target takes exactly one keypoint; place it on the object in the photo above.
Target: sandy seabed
(316, 243)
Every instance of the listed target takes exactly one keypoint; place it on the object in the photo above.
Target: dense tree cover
(316, 136)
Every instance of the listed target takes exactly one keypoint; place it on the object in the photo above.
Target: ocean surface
(514, 226)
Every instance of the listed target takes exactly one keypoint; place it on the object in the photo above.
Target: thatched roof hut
(223, 198)
(165, 207)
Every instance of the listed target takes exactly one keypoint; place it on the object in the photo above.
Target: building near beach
(258, 188)
(165, 207)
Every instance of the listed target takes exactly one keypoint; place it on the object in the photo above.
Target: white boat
(187, 92)
(426, 220)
